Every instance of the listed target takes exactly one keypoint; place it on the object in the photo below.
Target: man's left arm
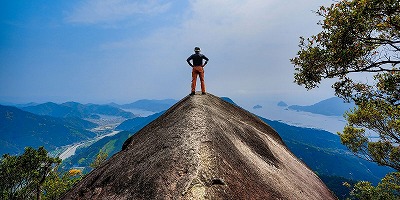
(206, 60)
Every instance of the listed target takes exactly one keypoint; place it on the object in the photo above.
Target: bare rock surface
(203, 148)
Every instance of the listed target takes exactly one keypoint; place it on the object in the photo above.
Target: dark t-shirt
(197, 59)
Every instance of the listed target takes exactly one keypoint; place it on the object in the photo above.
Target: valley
(106, 127)
(310, 136)
(71, 149)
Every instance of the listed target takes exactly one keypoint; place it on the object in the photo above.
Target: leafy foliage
(378, 116)
(57, 184)
(387, 189)
(360, 36)
(22, 177)
(100, 158)
(34, 175)
(357, 36)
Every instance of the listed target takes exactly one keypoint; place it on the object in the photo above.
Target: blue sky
(103, 51)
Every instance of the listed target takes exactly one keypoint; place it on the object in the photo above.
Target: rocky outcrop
(203, 148)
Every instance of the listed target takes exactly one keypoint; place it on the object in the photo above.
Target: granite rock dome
(203, 148)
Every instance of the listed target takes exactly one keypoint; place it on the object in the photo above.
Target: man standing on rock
(197, 69)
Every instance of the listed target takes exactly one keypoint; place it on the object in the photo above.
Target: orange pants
(198, 70)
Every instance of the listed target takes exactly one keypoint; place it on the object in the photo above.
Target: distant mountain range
(20, 129)
(282, 104)
(147, 104)
(137, 123)
(229, 100)
(74, 109)
(54, 125)
(331, 107)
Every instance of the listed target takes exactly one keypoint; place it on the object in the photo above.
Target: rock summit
(203, 148)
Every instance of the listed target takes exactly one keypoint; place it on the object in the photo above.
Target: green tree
(22, 177)
(359, 36)
(57, 183)
(100, 158)
(387, 189)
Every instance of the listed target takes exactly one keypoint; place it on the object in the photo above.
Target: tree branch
(371, 40)
(379, 40)
(395, 47)
(367, 69)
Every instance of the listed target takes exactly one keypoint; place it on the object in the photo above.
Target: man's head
(197, 49)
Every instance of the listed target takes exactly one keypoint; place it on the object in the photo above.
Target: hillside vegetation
(20, 129)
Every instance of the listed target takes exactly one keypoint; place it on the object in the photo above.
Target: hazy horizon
(103, 51)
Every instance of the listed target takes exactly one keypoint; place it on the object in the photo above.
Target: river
(71, 149)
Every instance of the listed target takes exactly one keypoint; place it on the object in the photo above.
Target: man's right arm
(188, 61)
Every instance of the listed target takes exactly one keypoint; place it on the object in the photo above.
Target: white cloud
(249, 43)
(110, 11)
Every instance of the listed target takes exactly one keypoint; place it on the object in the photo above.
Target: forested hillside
(20, 129)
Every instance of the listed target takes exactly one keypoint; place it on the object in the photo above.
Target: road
(70, 151)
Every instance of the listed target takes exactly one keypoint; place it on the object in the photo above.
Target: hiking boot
(203, 93)
(192, 93)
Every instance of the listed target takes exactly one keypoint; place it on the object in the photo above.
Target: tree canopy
(34, 175)
(22, 177)
(360, 38)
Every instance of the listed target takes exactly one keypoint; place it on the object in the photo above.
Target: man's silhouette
(197, 69)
